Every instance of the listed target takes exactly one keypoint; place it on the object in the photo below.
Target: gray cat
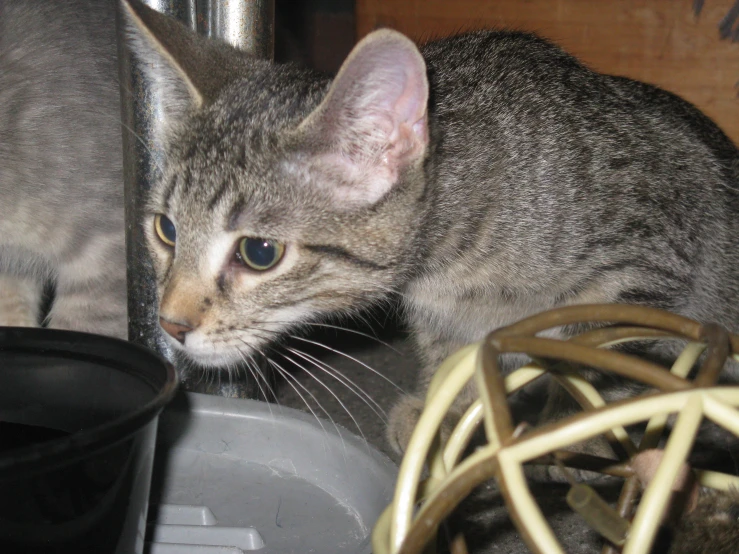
(485, 177)
(61, 198)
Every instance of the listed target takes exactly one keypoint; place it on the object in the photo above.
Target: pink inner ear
(375, 116)
(411, 104)
(410, 107)
(384, 79)
(396, 102)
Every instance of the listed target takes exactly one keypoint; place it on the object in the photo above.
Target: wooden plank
(657, 41)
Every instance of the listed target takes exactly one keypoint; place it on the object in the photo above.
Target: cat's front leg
(20, 301)
(433, 350)
(94, 301)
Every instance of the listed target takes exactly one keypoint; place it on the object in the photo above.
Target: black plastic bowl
(78, 419)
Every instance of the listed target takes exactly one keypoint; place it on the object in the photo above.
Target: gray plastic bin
(235, 476)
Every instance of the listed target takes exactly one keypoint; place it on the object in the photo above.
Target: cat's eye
(165, 229)
(260, 254)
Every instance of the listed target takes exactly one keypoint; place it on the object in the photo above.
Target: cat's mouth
(215, 360)
(206, 353)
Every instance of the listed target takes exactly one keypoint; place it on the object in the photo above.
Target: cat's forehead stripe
(218, 194)
(234, 216)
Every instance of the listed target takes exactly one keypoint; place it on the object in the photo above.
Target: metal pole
(248, 24)
(245, 24)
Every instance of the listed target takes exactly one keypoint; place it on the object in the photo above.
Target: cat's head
(285, 196)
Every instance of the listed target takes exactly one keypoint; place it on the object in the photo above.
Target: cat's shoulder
(499, 47)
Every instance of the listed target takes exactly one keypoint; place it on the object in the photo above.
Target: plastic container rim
(85, 347)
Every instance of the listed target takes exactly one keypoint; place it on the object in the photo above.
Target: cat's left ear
(188, 70)
(372, 123)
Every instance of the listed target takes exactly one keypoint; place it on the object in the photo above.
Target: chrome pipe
(245, 24)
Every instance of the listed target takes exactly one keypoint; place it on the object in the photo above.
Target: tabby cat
(484, 177)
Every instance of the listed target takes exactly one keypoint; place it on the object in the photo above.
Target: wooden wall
(658, 41)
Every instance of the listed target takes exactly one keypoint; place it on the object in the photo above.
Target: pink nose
(176, 330)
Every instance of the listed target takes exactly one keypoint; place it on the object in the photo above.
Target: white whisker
(344, 380)
(288, 376)
(331, 392)
(346, 329)
(247, 365)
(352, 358)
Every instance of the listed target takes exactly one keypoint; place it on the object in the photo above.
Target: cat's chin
(204, 353)
(210, 358)
(214, 361)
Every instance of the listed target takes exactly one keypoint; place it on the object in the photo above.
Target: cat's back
(585, 173)
(522, 104)
(519, 81)
(60, 53)
(34, 25)
(59, 118)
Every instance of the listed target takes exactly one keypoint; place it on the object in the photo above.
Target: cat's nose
(177, 330)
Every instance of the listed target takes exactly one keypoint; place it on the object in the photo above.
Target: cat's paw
(17, 318)
(18, 302)
(402, 422)
(403, 419)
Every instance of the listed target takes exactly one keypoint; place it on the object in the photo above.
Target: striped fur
(489, 177)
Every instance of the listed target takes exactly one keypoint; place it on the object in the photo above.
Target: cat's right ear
(187, 69)
(372, 124)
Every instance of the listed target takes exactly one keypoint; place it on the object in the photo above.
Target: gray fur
(526, 182)
(61, 194)
(542, 184)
